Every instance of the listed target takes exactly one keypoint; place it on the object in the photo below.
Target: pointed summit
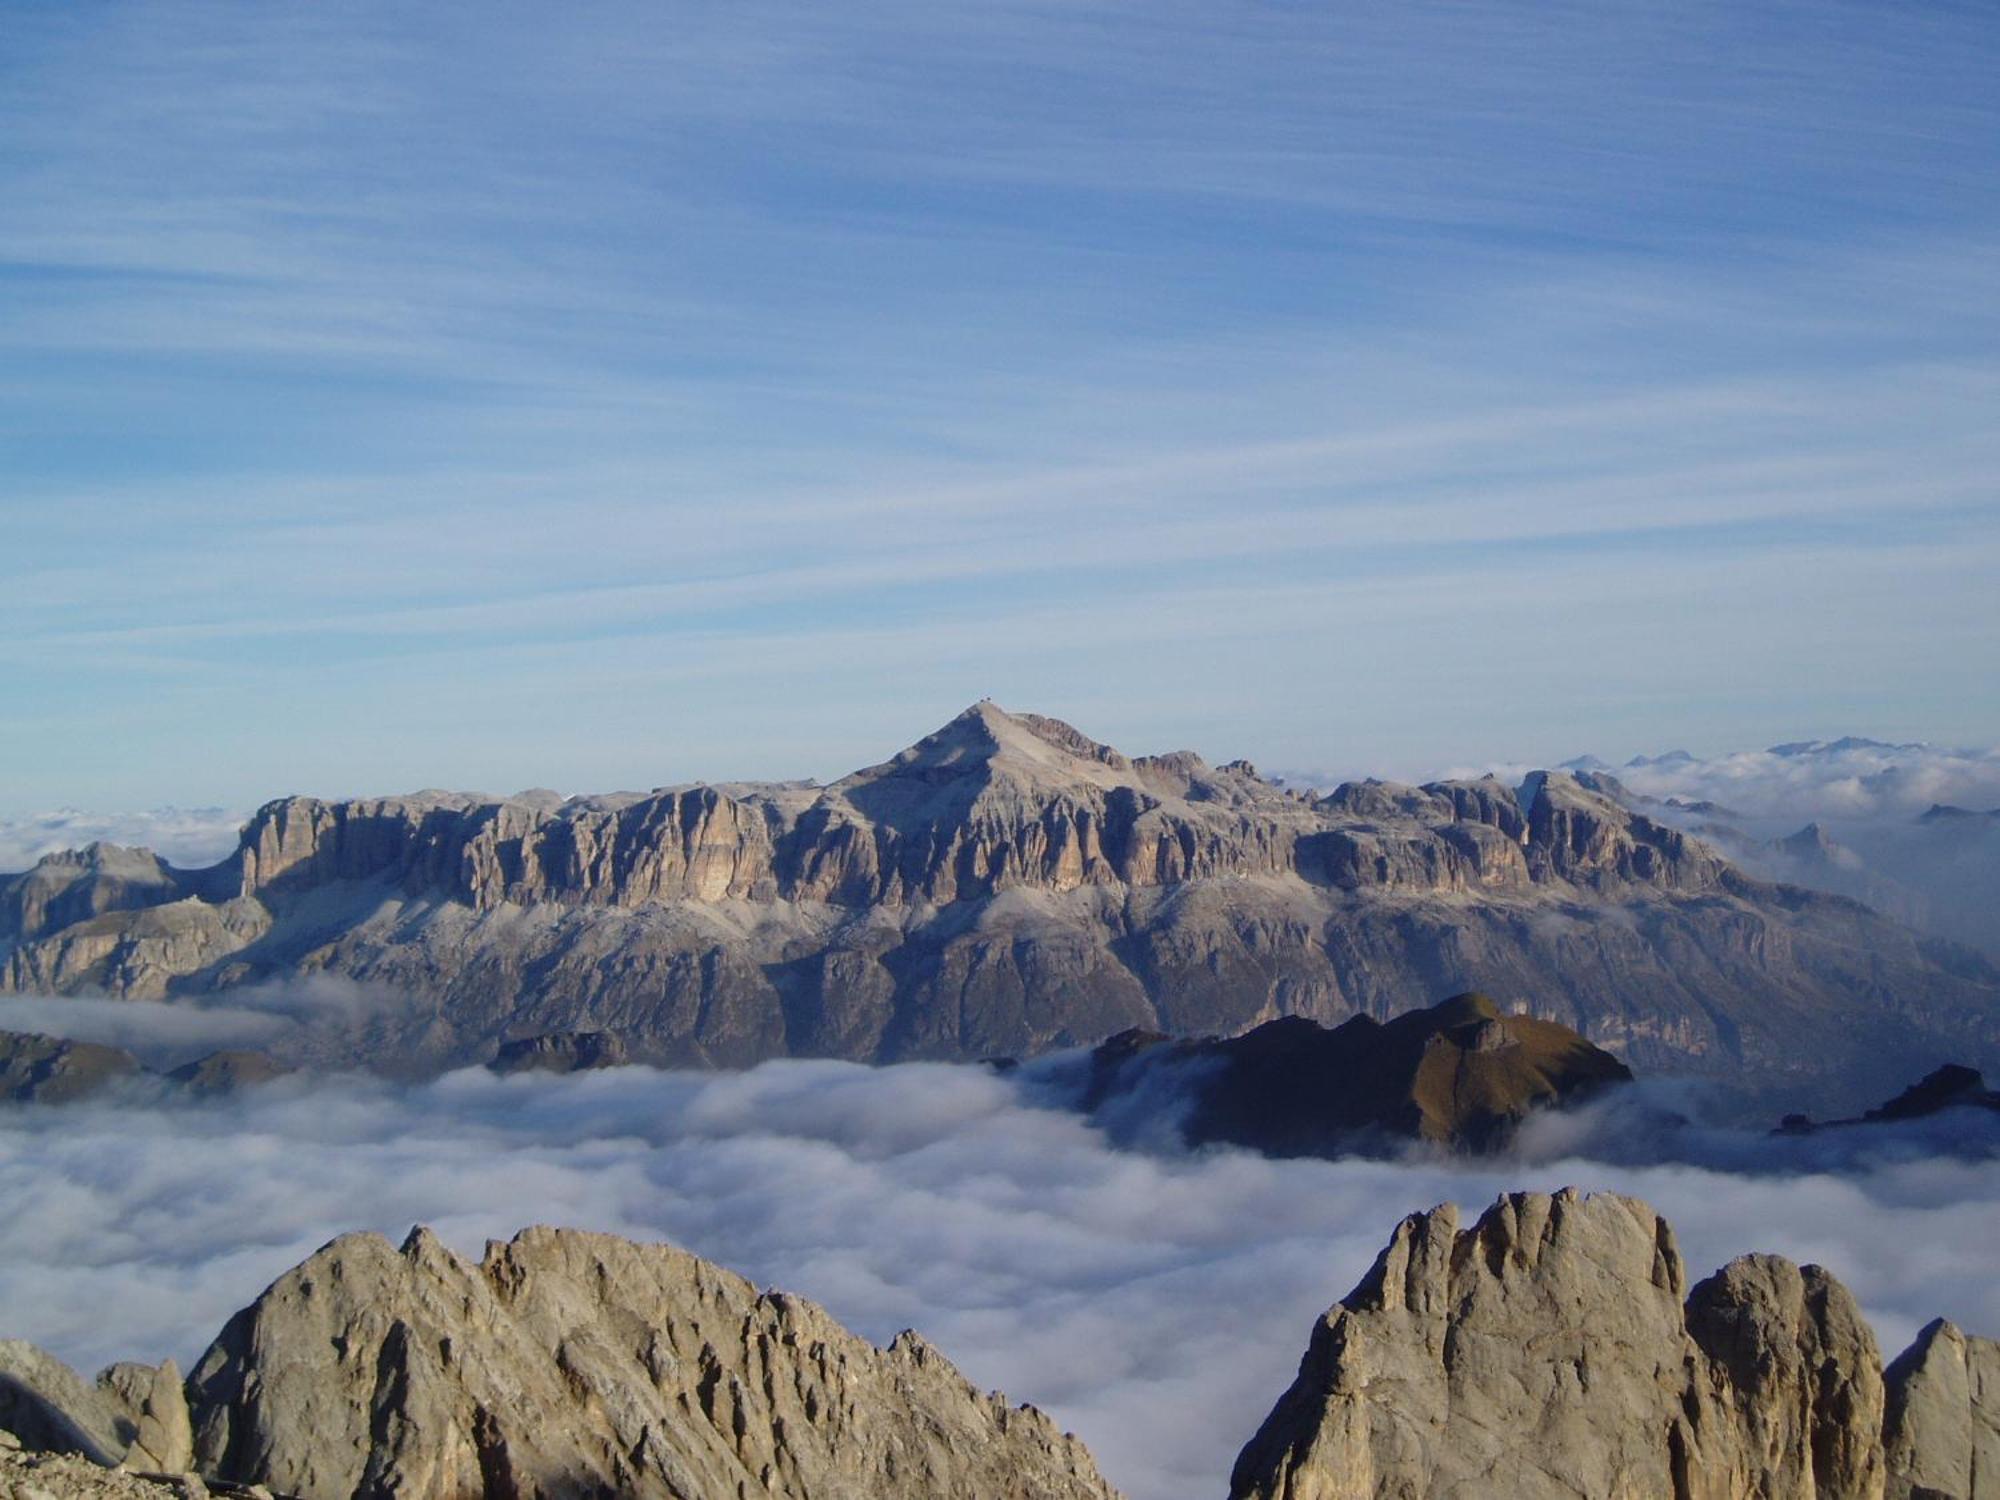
(985, 754)
(986, 731)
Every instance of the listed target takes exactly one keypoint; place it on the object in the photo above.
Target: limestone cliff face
(1008, 885)
(568, 1363)
(989, 802)
(78, 884)
(1553, 1349)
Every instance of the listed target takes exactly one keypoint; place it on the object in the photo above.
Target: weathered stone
(40, 1476)
(52, 1409)
(134, 1417)
(1547, 1353)
(1942, 1432)
(568, 1363)
(154, 1422)
(1008, 885)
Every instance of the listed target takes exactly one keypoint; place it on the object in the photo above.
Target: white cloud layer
(1154, 1302)
(190, 837)
(1848, 781)
(1837, 782)
(159, 1035)
(284, 1015)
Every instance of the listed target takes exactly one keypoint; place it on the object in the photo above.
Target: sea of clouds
(1939, 875)
(1154, 1300)
(190, 837)
(276, 1013)
(1839, 781)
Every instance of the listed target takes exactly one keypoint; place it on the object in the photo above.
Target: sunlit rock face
(1553, 1349)
(563, 1363)
(574, 1363)
(1004, 886)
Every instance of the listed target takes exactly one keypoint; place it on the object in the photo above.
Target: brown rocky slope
(1006, 886)
(1461, 1075)
(1554, 1350)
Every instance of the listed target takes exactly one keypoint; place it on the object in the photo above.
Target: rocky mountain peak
(568, 1363)
(984, 749)
(1813, 846)
(1553, 1349)
(74, 885)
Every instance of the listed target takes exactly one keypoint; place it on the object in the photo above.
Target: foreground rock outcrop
(40, 1475)
(1003, 887)
(1553, 1349)
(1461, 1074)
(563, 1364)
(135, 1416)
(1942, 1431)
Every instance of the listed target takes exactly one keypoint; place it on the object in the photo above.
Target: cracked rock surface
(1007, 886)
(1553, 1349)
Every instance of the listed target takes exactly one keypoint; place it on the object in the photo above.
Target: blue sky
(480, 396)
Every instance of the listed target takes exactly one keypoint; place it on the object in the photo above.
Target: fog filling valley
(1154, 1300)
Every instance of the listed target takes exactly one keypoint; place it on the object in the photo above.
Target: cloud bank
(1845, 781)
(1842, 780)
(1156, 1302)
(190, 837)
(1868, 797)
(290, 1017)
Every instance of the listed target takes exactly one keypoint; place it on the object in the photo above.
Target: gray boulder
(135, 1416)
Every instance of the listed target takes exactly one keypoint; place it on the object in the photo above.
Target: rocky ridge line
(1554, 1349)
(1007, 886)
(564, 1363)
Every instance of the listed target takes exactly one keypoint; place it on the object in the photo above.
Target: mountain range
(1008, 885)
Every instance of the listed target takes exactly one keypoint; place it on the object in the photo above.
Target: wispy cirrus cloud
(343, 338)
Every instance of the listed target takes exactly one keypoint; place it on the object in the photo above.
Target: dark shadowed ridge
(1460, 1075)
